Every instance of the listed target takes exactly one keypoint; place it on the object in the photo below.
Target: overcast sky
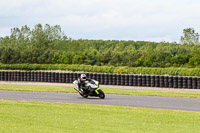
(138, 20)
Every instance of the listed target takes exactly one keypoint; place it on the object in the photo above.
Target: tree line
(49, 45)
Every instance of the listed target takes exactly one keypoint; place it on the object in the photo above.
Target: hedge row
(105, 79)
(105, 69)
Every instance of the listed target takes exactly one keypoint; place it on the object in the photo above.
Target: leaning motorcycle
(92, 89)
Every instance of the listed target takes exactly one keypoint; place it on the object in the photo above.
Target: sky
(138, 20)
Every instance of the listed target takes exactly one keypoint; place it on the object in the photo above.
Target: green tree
(189, 37)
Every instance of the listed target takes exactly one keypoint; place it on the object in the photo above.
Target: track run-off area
(157, 102)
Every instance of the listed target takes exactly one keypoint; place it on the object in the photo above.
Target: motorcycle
(92, 89)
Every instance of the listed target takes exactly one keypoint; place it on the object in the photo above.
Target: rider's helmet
(83, 77)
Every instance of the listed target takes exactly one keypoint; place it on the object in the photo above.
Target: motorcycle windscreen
(96, 83)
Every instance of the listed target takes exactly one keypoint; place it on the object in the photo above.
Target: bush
(179, 71)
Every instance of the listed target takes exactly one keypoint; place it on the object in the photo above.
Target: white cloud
(106, 19)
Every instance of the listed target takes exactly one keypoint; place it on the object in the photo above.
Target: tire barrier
(198, 83)
(166, 81)
(130, 80)
(143, 80)
(157, 81)
(175, 82)
(148, 81)
(135, 78)
(64, 78)
(110, 79)
(104, 79)
(122, 79)
(162, 81)
(185, 85)
(152, 81)
(170, 80)
(94, 76)
(9, 76)
(180, 82)
(49, 76)
(126, 83)
(189, 82)
(139, 80)
(98, 77)
(114, 81)
(118, 81)
(194, 82)
(2, 75)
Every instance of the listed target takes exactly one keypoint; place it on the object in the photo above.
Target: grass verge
(25, 117)
(142, 92)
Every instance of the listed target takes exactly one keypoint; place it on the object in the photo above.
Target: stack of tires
(148, 81)
(144, 80)
(185, 85)
(118, 79)
(105, 79)
(130, 80)
(139, 80)
(114, 79)
(180, 82)
(135, 80)
(152, 80)
(126, 83)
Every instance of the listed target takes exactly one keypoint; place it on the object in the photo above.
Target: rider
(82, 81)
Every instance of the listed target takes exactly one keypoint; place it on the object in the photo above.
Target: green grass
(118, 91)
(36, 88)
(40, 117)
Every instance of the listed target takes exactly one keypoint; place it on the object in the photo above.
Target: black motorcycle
(91, 89)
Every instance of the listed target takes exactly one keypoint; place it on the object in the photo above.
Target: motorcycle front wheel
(101, 94)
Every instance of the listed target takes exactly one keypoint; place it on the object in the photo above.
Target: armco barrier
(104, 79)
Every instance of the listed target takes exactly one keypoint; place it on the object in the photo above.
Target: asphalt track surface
(170, 103)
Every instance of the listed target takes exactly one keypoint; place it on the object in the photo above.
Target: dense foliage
(49, 45)
(180, 71)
